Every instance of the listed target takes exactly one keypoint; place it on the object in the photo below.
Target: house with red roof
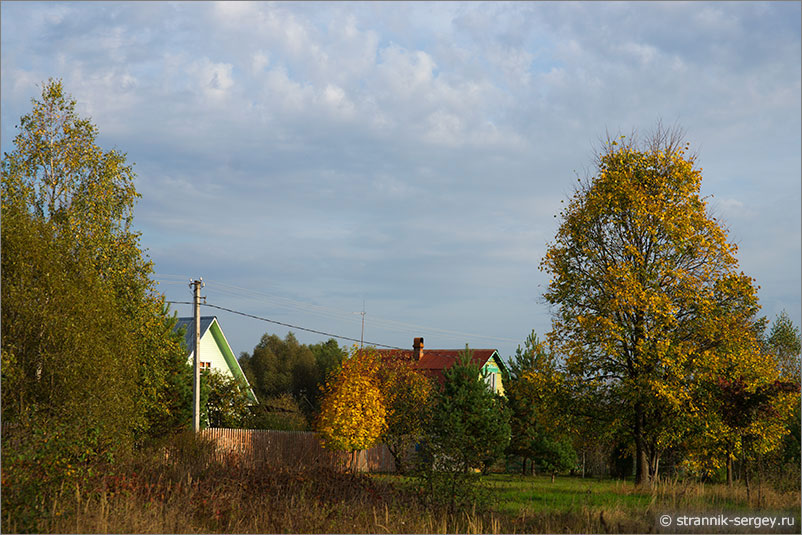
(434, 362)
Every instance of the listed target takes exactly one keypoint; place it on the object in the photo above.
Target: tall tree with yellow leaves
(646, 289)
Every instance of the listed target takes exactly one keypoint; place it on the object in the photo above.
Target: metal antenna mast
(362, 337)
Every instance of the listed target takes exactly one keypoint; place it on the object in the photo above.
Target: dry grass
(188, 491)
(185, 493)
(700, 496)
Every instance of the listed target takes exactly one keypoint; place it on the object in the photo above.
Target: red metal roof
(442, 359)
(435, 361)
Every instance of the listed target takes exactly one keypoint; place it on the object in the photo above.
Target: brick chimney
(417, 349)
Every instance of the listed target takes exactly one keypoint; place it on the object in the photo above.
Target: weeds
(185, 490)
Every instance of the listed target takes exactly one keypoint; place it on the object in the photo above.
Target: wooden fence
(292, 448)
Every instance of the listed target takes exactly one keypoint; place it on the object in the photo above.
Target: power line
(309, 308)
(283, 324)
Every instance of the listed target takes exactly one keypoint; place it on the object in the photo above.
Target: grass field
(187, 494)
(535, 504)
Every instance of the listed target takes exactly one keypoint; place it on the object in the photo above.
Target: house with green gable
(434, 362)
(215, 353)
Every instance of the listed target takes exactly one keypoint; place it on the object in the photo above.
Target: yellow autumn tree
(743, 409)
(353, 412)
(646, 290)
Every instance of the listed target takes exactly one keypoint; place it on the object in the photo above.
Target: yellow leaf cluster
(353, 411)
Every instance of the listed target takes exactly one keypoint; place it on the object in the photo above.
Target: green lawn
(533, 504)
(515, 493)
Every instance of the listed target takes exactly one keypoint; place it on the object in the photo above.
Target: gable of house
(215, 352)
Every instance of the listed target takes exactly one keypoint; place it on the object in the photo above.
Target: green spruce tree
(469, 426)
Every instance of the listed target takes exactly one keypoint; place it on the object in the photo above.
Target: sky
(314, 160)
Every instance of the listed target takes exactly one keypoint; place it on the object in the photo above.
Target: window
(491, 381)
(205, 366)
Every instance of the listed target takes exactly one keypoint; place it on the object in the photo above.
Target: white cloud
(337, 102)
(642, 53)
(288, 94)
(405, 74)
(444, 128)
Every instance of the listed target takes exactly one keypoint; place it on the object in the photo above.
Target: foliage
(745, 413)
(790, 454)
(407, 394)
(540, 423)
(44, 457)
(66, 356)
(77, 199)
(87, 348)
(469, 425)
(647, 293)
(281, 413)
(784, 343)
(743, 421)
(328, 357)
(353, 411)
(279, 366)
(164, 394)
(523, 413)
(227, 404)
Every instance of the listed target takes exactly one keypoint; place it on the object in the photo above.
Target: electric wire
(285, 324)
(392, 325)
(318, 310)
(283, 302)
(215, 286)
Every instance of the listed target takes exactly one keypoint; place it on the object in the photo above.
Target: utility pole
(196, 285)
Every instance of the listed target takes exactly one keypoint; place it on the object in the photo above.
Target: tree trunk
(523, 467)
(641, 457)
(729, 470)
(746, 481)
(642, 469)
(396, 453)
(654, 465)
(760, 481)
(552, 476)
